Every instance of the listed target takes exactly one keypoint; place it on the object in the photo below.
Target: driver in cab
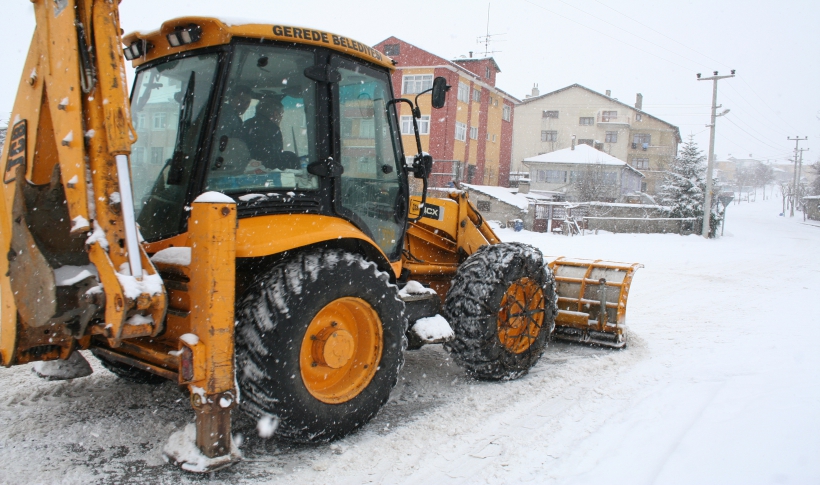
(264, 136)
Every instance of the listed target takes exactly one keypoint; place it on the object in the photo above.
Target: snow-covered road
(720, 384)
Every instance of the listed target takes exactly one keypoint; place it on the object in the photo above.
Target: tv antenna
(488, 37)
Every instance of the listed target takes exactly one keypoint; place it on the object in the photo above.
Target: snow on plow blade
(584, 288)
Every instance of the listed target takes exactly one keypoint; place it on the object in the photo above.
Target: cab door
(372, 192)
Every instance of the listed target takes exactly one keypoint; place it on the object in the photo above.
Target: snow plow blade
(585, 287)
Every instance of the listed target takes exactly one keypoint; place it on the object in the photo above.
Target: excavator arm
(74, 266)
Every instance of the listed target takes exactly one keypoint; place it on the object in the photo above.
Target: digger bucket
(592, 300)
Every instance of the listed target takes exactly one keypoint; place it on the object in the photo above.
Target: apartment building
(470, 139)
(578, 115)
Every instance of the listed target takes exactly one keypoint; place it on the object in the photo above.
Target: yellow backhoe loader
(243, 225)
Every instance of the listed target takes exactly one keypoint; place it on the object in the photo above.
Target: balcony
(608, 119)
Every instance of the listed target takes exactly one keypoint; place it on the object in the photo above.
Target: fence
(612, 217)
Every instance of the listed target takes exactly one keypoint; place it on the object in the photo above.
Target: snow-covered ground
(720, 384)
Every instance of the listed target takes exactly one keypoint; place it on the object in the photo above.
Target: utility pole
(797, 141)
(707, 203)
(799, 176)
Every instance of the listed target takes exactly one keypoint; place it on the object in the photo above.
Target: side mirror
(440, 89)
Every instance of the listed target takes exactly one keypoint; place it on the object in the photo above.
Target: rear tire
(308, 345)
(502, 306)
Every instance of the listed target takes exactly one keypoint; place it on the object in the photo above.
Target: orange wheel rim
(521, 316)
(341, 350)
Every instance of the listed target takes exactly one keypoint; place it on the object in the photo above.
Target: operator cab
(282, 127)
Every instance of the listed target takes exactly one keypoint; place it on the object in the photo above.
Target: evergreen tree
(684, 188)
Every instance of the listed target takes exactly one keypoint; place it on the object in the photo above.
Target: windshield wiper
(177, 168)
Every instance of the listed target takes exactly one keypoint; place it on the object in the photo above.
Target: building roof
(583, 154)
(501, 193)
(479, 59)
(608, 98)
(432, 60)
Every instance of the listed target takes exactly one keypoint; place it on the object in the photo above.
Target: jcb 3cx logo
(17, 151)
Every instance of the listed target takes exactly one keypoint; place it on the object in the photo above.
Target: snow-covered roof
(582, 155)
(501, 193)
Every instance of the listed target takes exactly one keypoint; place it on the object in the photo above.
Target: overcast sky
(629, 46)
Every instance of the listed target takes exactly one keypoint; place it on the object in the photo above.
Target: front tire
(501, 305)
(320, 344)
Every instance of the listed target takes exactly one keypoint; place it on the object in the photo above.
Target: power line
(661, 33)
(753, 136)
(628, 32)
(764, 117)
(605, 35)
(767, 105)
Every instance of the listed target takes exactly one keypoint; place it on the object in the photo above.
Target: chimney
(471, 54)
(524, 186)
(608, 93)
(535, 91)
(639, 101)
(573, 142)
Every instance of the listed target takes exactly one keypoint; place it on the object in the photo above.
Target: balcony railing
(615, 120)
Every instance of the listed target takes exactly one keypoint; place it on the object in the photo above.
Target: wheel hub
(521, 316)
(333, 348)
(341, 350)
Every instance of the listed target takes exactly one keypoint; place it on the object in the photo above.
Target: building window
(367, 128)
(156, 155)
(488, 136)
(586, 121)
(159, 121)
(474, 132)
(575, 176)
(586, 141)
(487, 73)
(549, 135)
(495, 101)
(506, 112)
(641, 163)
(138, 155)
(407, 125)
(141, 121)
(609, 116)
(461, 131)
(416, 84)
(638, 117)
(641, 140)
(610, 178)
(550, 114)
(483, 205)
(611, 137)
(493, 138)
(476, 95)
(643, 186)
(555, 176)
(463, 92)
(392, 50)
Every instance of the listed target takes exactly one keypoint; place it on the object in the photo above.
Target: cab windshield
(169, 109)
(266, 129)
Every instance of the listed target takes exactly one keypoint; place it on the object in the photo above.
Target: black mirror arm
(423, 201)
(415, 111)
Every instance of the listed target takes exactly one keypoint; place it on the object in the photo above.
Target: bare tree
(763, 175)
(593, 183)
(744, 176)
